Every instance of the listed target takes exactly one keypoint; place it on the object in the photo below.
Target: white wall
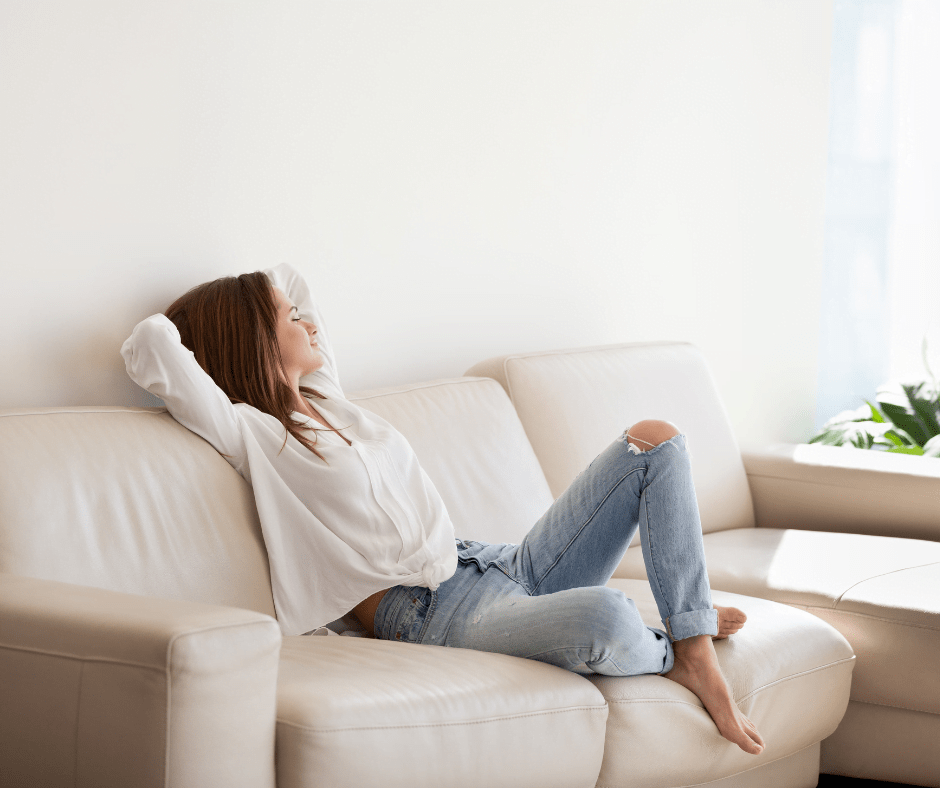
(457, 180)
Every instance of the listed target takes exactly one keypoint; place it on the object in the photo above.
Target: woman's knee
(611, 615)
(650, 432)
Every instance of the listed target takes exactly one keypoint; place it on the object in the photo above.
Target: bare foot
(696, 668)
(730, 620)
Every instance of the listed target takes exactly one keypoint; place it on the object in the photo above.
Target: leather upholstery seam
(655, 700)
(593, 349)
(63, 655)
(809, 608)
(754, 691)
(743, 697)
(156, 412)
(125, 662)
(512, 399)
(883, 574)
(310, 729)
(78, 719)
(449, 382)
(894, 706)
(880, 473)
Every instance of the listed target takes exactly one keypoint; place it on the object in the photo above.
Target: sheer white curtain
(881, 278)
(914, 235)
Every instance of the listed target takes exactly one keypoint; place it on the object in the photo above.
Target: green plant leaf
(861, 434)
(907, 450)
(833, 432)
(908, 422)
(896, 407)
(932, 447)
(859, 414)
(892, 436)
(923, 401)
(875, 413)
(886, 434)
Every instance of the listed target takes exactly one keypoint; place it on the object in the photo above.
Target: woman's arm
(292, 284)
(157, 361)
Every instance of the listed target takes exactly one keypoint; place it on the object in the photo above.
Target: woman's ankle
(693, 648)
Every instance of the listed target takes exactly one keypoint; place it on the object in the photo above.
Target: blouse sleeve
(292, 284)
(158, 361)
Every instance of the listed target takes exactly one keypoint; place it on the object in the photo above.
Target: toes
(751, 743)
(752, 731)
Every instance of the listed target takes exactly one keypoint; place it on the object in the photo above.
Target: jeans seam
(659, 584)
(432, 605)
(578, 649)
(506, 571)
(386, 602)
(583, 526)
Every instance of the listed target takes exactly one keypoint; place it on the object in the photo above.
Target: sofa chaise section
(790, 674)
(881, 591)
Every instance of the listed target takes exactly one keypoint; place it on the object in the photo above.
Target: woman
(352, 524)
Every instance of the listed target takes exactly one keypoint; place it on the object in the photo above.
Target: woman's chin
(315, 366)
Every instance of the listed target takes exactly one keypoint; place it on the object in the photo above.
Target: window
(881, 276)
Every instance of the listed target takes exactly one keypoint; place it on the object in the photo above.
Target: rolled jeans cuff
(695, 622)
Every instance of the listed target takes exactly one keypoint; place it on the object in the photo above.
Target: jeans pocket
(407, 620)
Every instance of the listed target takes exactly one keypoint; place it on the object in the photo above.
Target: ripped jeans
(546, 598)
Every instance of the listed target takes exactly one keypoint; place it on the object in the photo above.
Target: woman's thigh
(584, 630)
(581, 538)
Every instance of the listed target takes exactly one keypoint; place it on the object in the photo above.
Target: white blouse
(336, 532)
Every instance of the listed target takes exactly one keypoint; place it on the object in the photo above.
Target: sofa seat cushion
(882, 593)
(356, 712)
(790, 674)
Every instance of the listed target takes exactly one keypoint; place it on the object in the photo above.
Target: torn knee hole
(632, 446)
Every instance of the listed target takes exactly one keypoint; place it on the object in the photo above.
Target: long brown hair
(230, 325)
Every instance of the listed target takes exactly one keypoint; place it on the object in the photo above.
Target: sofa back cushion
(574, 403)
(471, 444)
(127, 499)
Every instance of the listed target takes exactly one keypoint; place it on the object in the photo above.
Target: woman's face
(296, 339)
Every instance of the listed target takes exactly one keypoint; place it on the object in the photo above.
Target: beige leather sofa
(138, 644)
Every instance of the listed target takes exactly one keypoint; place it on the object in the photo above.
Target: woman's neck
(302, 405)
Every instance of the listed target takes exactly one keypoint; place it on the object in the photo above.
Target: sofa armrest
(833, 488)
(111, 689)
